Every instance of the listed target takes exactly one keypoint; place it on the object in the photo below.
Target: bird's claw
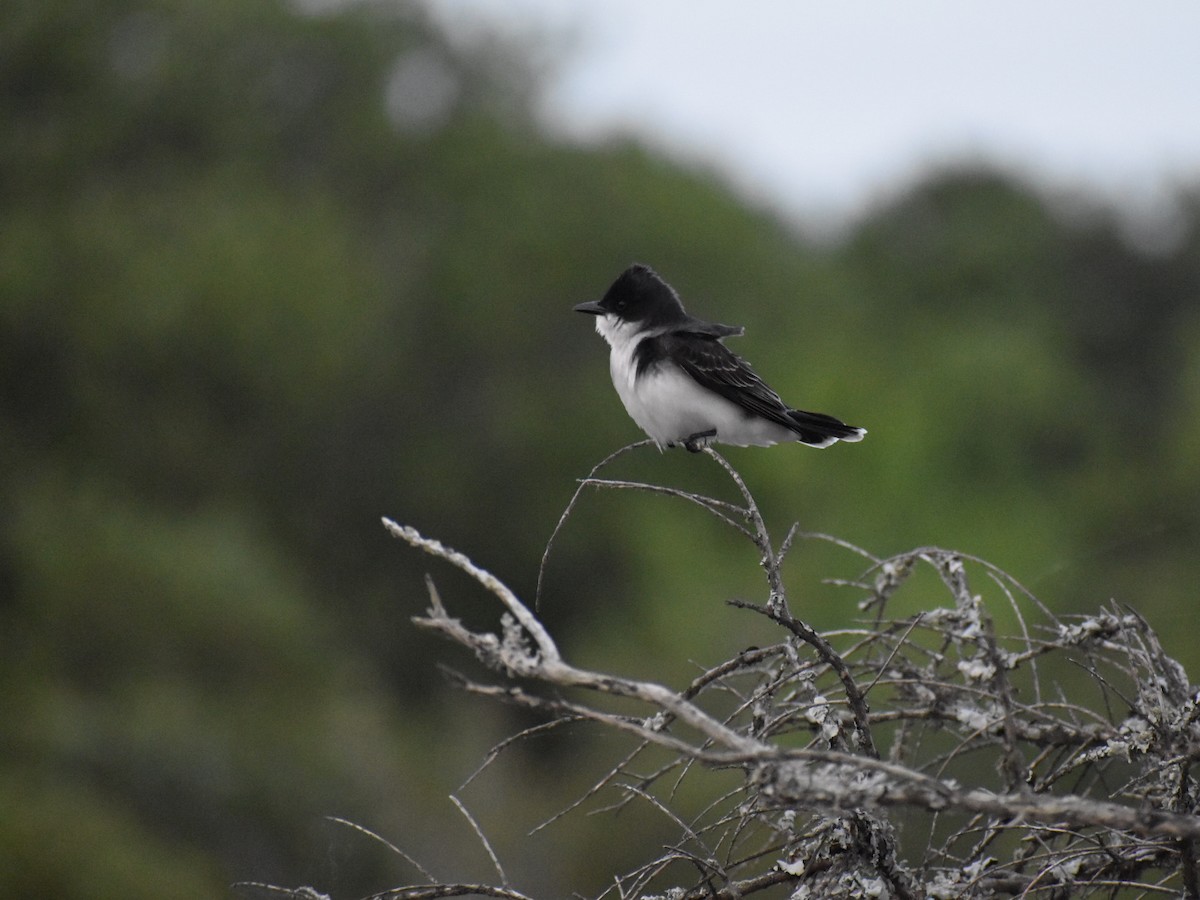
(694, 443)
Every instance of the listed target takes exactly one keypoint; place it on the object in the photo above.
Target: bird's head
(638, 297)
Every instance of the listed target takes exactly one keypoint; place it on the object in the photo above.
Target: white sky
(819, 106)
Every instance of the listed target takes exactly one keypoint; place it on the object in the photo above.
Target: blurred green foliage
(267, 275)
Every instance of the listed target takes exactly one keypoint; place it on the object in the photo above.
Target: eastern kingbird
(681, 385)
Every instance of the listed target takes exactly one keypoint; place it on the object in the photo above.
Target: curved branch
(520, 612)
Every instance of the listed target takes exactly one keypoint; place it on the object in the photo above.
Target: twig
(433, 891)
(858, 703)
(518, 609)
(482, 839)
(375, 837)
(493, 754)
(718, 508)
(566, 513)
(760, 536)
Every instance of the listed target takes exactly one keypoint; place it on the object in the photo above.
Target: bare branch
(375, 837)
(482, 839)
(1031, 786)
(435, 548)
(432, 891)
(566, 514)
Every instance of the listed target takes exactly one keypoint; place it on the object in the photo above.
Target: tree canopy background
(267, 276)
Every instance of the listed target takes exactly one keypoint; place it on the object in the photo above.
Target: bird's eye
(620, 304)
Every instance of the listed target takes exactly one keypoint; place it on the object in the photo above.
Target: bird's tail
(820, 430)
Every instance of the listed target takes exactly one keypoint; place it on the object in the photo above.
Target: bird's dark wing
(692, 325)
(715, 367)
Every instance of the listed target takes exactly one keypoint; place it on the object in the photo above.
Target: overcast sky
(819, 107)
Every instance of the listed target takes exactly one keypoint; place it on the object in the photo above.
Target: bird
(682, 386)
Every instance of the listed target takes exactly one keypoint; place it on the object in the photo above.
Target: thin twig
(433, 891)
(482, 839)
(566, 513)
(533, 731)
(718, 508)
(382, 840)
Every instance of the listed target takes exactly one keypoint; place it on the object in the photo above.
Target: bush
(929, 754)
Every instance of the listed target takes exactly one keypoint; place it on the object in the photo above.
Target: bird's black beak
(592, 308)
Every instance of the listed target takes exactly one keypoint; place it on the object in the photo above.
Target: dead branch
(1024, 784)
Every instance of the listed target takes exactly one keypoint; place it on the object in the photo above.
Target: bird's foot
(694, 443)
